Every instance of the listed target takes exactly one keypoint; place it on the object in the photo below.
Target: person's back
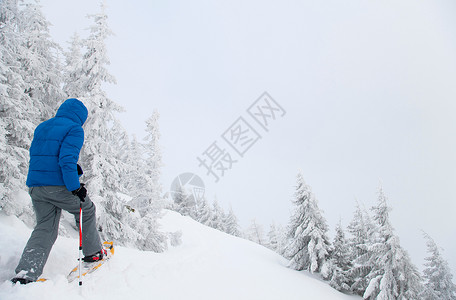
(55, 148)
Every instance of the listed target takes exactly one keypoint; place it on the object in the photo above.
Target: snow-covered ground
(207, 265)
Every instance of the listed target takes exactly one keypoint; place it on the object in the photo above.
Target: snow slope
(207, 265)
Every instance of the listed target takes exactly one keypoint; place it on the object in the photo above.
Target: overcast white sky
(368, 88)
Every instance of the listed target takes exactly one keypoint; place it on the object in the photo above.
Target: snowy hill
(207, 265)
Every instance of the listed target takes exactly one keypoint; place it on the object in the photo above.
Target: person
(53, 181)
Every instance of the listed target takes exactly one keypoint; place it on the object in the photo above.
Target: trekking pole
(80, 243)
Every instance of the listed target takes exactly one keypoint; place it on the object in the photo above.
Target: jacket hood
(73, 109)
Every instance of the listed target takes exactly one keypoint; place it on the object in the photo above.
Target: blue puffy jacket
(55, 148)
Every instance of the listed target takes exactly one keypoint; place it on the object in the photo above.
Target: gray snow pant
(48, 202)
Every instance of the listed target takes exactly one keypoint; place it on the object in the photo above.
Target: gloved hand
(81, 192)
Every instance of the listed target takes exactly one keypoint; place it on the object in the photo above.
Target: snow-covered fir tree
(102, 169)
(151, 238)
(122, 145)
(73, 76)
(98, 153)
(204, 212)
(308, 246)
(17, 113)
(272, 238)
(29, 93)
(361, 231)
(146, 188)
(393, 275)
(218, 217)
(231, 224)
(135, 178)
(340, 262)
(40, 66)
(277, 238)
(184, 201)
(153, 164)
(437, 275)
(281, 234)
(255, 233)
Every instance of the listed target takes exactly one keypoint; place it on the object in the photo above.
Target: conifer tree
(393, 275)
(121, 144)
(437, 275)
(217, 217)
(98, 152)
(204, 212)
(184, 201)
(231, 224)
(143, 163)
(277, 238)
(17, 113)
(41, 69)
(153, 164)
(255, 233)
(361, 230)
(272, 238)
(340, 262)
(73, 76)
(136, 178)
(102, 168)
(151, 238)
(308, 247)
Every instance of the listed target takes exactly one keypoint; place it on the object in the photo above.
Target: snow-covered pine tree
(98, 152)
(117, 223)
(135, 178)
(437, 275)
(73, 76)
(231, 224)
(149, 193)
(184, 201)
(121, 144)
(153, 164)
(99, 159)
(393, 275)
(255, 233)
(41, 69)
(308, 246)
(340, 262)
(204, 212)
(218, 217)
(152, 239)
(17, 113)
(277, 236)
(273, 239)
(362, 231)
